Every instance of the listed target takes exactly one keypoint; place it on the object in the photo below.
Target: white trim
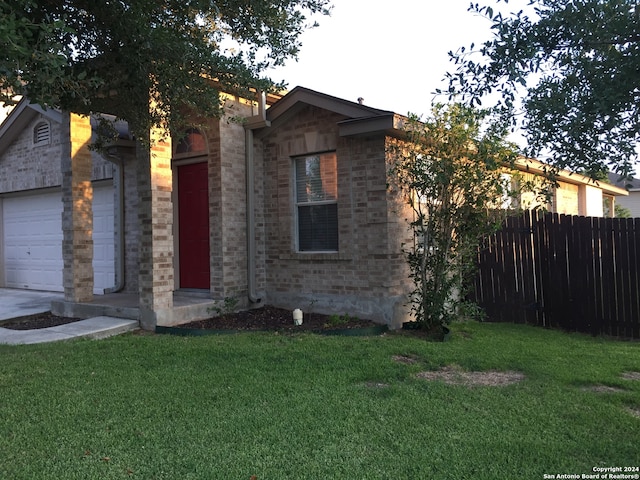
(297, 204)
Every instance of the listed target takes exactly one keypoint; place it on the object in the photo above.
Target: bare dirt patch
(406, 359)
(635, 411)
(453, 375)
(635, 376)
(603, 389)
(376, 385)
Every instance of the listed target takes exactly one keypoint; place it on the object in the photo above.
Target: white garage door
(33, 242)
(32, 230)
(103, 241)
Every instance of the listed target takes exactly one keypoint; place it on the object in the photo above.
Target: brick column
(77, 214)
(155, 215)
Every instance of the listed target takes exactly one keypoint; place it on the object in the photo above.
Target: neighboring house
(290, 208)
(632, 201)
(574, 194)
(4, 111)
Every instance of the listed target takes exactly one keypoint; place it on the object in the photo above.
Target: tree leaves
(113, 57)
(578, 64)
(450, 172)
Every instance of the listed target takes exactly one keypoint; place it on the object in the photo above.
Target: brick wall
(155, 217)
(77, 216)
(227, 204)
(368, 274)
(234, 206)
(131, 224)
(25, 166)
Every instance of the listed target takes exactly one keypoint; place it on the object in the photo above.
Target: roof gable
(360, 119)
(19, 118)
(305, 96)
(631, 184)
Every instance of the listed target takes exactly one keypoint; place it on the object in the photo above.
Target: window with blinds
(316, 191)
(41, 134)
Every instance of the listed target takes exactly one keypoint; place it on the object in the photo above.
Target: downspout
(254, 122)
(113, 153)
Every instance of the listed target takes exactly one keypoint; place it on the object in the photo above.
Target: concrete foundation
(391, 311)
(124, 305)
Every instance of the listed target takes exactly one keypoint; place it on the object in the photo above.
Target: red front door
(193, 212)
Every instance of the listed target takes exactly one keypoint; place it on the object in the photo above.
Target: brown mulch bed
(36, 321)
(264, 318)
(273, 318)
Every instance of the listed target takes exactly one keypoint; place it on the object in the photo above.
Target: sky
(392, 54)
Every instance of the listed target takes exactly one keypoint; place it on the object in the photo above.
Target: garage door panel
(103, 239)
(32, 227)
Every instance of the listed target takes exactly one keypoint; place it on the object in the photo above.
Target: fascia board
(537, 167)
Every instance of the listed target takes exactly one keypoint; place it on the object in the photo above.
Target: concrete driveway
(18, 303)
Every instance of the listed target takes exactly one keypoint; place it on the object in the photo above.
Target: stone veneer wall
(368, 276)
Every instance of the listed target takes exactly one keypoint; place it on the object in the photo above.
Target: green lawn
(307, 406)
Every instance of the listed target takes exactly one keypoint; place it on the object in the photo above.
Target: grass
(314, 407)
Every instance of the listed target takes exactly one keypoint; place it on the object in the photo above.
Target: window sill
(331, 256)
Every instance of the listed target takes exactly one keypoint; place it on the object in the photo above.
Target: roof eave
(539, 168)
(389, 124)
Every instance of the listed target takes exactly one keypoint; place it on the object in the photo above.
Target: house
(632, 185)
(31, 152)
(574, 194)
(310, 190)
(289, 208)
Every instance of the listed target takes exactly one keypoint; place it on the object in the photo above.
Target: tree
(578, 63)
(621, 212)
(451, 171)
(146, 61)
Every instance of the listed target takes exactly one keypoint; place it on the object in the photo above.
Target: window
(41, 134)
(191, 142)
(509, 198)
(316, 184)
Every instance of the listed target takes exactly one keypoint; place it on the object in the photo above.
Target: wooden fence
(575, 273)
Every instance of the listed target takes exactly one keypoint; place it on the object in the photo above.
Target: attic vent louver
(41, 134)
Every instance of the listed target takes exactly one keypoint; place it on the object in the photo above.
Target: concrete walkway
(20, 303)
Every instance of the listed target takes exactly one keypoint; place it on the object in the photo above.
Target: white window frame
(298, 204)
